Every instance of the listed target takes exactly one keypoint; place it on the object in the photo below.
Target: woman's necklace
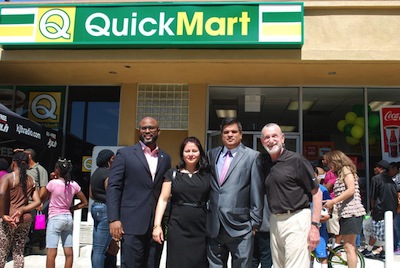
(184, 170)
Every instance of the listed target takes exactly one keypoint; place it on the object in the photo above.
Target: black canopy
(15, 128)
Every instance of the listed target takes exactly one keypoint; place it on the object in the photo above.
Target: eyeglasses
(150, 128)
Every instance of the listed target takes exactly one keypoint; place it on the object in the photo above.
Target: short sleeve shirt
(36, 172)
(289, 183)
(61, 196)
(331, 178)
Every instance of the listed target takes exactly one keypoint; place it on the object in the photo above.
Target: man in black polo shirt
(290, 187)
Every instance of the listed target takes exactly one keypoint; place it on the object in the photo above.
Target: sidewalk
(38, 257)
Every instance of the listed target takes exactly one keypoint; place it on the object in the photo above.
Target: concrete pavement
(37, 258)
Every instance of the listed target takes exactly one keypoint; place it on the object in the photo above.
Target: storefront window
(93, 116)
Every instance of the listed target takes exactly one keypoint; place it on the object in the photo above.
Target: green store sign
(157, 25)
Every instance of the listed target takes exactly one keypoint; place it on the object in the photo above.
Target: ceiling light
(377, 105)
(287, 128)
(294, 105)
(252, 103)
(226, 113)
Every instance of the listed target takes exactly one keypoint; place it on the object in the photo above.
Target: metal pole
(76, 231)
(389, 259)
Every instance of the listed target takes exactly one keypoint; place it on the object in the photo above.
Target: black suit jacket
(131, 193)
(238, 203)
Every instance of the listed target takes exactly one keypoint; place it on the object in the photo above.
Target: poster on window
(390, 133)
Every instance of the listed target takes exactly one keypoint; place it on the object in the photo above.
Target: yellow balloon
(359, 121)
(350, 117)
(351, 140)
(357, 132)
(341, 124)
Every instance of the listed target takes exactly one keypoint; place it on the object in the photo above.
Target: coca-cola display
(390, 116)
(393, 141)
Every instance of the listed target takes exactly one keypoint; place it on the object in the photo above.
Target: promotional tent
(17, 131)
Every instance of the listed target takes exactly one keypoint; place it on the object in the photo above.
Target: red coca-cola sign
(390, 133)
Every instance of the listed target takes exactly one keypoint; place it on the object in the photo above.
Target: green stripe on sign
(282, 17)
(17, 19)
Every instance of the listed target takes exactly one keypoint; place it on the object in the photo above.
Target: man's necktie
(227, 162)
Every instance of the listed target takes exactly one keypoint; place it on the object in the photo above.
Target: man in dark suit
(236, 199)
(134, 186)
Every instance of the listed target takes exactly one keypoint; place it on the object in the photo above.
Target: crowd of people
(23, 191)
(229, 201)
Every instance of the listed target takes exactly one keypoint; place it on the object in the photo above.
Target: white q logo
(45, 112)
(57, 31)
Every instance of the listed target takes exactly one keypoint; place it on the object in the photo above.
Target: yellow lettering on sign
(231, 23)
(220, 22)
(213, 26)
(183, 23)
(245, 20)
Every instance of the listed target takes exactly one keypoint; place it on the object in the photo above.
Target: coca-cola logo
(391, 116)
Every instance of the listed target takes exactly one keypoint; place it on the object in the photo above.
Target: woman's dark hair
(21, 159)
(64, 166)
(202, 165)
(103, 157)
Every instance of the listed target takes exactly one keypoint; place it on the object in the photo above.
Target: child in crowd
(61, 190)
(320, 251)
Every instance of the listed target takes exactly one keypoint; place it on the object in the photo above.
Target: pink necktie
(227, 162)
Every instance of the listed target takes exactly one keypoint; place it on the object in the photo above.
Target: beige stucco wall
(170, 140)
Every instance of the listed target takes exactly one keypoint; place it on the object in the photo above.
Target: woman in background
(347, 201)
(101, 230)
(61, 189)
(16, 188)
(189, 185)
(3, 167)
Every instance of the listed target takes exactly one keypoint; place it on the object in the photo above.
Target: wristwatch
(317, 224)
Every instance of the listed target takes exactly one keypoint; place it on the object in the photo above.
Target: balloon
(347, 129)
(373, 121)
(341, 124)
(358, 109)
(357, 132)
(371, 140)
(359, 122)
(350, 117)
(352, 141)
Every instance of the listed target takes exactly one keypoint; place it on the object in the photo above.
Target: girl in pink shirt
(61, 190)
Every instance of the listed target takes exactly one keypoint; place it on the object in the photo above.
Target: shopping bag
(113, 247)
(40, 221)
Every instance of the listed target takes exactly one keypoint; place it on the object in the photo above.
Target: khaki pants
(289, 234)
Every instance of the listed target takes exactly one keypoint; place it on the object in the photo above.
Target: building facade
(347, 60)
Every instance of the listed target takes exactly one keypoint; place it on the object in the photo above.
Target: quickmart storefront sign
(194, 25)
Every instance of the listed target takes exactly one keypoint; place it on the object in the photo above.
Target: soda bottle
(393, 144)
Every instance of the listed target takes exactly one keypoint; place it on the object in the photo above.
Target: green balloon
(350, 117)
(340, 125)
(352, 141)
(373, 121)
(357, 132)
(371, 140)
(347, 129)
(358, 109)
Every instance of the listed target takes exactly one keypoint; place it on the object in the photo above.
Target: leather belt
(289, 212)
(190, 204)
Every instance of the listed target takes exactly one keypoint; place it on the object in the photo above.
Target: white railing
(389, 259)
(77, 231)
